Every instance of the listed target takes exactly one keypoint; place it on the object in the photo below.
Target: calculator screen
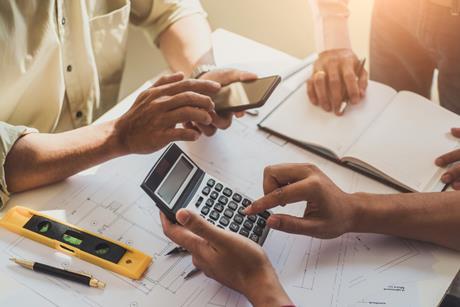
(174, 181)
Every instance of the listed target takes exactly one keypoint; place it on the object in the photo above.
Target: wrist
(267, 292)
(362, 206)
(114, 144)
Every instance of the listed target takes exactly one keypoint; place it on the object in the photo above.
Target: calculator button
(257, 230)
(246, 202)
(205, 210)
(206, 191)
(227, 192)
(232, 205)
(240, 210)
(211, 221)
(223, 200)
(265, 214)
(214, 195)
(220, 226)
(234, 227)
(224, 221)
(209, 202)
(244, 232)
(202, 216)
(261, 222)
(211, 183)
(254, 238)
(248, 225)
(228, 213)
(199, 201)
(214, 215)
(218, 187)
(238, 219)
(219, 207)
(252, 218)
(237, 197)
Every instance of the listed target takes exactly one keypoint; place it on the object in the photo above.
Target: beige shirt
(331, 24)
(61, 62)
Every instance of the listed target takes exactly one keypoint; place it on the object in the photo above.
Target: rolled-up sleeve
(155, 16)
(8, 136)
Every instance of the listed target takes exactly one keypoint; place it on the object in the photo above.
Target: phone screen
(245, 95)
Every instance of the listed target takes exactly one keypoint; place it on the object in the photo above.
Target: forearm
(39, 159)
(268, 292)
(187, 43)
(431, 217)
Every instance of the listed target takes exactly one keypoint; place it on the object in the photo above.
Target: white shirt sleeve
(331, 24)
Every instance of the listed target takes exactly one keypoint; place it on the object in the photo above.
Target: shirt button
(63, 21)
(79, 114)
(69, 68)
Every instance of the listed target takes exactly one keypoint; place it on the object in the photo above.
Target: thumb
(200, 226)
(455, 132)
(293, 224)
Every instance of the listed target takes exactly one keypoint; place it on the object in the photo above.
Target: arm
(431, 217)
(38, 159)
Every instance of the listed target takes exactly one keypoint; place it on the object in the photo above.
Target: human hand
(229, 258)
(150, 123)
(221, 121)
(452, 175)
(334, 79)
(330, 211)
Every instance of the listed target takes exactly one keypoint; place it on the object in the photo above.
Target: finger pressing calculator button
(234, 227)
(223, 200)
(246, 202)
(248, 225)
(237, 197)
(219, 187)
(232, 205)
(265, 214)
(261, 222)
(252, 218)
(238, 219)
(254, 238)
(214, 195)
(227, 192)
(210, 202)
(257, 230)
(224, 221)
(199, 201)
(211, 183)
(219, 207)
(241, 210)
(205, 210)
(228, 213)
(214, 215)
(206, 190)
(244, 232)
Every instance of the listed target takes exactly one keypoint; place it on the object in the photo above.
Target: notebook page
(298, 119)
(406, 139)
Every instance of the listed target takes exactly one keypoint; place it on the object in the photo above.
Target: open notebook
(391, 136)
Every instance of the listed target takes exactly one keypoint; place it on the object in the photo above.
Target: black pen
(344, 104)
(84, 279)
(192, 273)
(176, 250)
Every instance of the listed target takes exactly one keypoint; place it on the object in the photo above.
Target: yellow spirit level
(88, 246)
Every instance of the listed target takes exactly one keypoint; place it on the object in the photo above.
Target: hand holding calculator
(176, 182)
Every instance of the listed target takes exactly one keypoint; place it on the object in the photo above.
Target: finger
(456, 185)
(455, 132)
(221, 121)
(187, 114)
(239, 114)
(227, 76)
(181, 134)
(279, 175)
(187, 99)
(334, 86)
(311, 92)
(453, 174)
(208, 130)
(319, 81)
(351, 82)
(180, 235)
(176, 77)
(190, 125)
(296, 225)
(205, 87)
(363, 82)
(448, 158)
(200, 227)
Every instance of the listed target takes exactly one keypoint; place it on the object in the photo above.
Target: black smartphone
(240, 96)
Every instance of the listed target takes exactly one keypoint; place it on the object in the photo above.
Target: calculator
(176, 182)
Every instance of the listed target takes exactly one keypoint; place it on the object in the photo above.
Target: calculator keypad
(220, 206)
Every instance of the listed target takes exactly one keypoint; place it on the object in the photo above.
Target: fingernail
(456, 185)
(273, 222)
(446, 178)
(439, 162)
(247, 210)
(183, 216)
